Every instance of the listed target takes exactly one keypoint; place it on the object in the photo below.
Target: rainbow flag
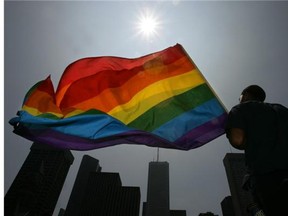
(158, 100)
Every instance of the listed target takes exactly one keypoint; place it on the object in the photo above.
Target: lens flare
(148, 24)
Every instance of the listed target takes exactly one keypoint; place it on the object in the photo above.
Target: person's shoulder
(277, 106)
(251, 104)
(241, 107)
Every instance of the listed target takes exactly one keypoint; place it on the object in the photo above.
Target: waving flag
(159, 100)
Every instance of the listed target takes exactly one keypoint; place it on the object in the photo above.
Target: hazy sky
(234, 44)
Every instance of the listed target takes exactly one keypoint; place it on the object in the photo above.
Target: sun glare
(148, 24)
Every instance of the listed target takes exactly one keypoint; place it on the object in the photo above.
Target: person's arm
(236, 137)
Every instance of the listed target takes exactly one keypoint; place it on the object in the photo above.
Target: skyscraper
(207, 214)
(88, 165)
(99, 193)
(158, 200)
(227, 206)
(235, 170)
(158, 195)
(38, 184)
(177, 212)
(104, 195)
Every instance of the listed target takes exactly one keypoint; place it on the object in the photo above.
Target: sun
(148, 24)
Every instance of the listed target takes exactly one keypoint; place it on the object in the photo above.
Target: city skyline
(38, 184)
(93, 192)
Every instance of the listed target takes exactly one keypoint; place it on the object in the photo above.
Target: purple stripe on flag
(203, 134)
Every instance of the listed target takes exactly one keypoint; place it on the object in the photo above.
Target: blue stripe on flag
(87, 126)
(177, 127)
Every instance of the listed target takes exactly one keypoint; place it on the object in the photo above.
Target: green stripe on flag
(172, 107)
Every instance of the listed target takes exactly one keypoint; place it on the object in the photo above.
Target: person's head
(252, 92)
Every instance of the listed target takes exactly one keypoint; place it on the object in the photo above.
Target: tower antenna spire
(158, 154)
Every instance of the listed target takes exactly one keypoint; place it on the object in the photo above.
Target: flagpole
(205, 80)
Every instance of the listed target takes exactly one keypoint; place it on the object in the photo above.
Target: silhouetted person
(261, 130)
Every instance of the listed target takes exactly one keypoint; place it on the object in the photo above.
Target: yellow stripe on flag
(156, 93)
(36, 112)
